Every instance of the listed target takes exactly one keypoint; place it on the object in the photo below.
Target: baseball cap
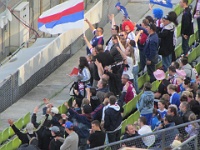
(54, 129)
(166, 17)
(54, 110)
(68, 124)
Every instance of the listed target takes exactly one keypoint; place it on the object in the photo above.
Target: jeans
(115, 136)
(135, 71)
(185, 45)
(151, 68)
(198, 25)
(142, 60)
(148, 117)
(166, 61)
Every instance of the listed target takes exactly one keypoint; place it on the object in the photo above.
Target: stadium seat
(9, 146)
(5, 134)
(197, 50)
(3, 147)
(159, 65)
(11, 132)
(155, 85)
(177, 9)
(124, 123)
(178, 51)
(26, 119)
(192, 56)
(16, 142)
(191, 40)
(178, 30)
(197, 67)
(19, 123)
(63, 109)
(1, 138)
(141, 81)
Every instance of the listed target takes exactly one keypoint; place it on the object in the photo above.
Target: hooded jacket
(113, 118)
(146, 103)
(166, 40)
(189, 71)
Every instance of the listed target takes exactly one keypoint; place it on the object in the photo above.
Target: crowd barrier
(157, 140)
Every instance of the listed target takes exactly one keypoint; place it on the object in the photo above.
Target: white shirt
(148, 140)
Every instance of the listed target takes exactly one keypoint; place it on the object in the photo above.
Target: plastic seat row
(11, 145)
(8, 132)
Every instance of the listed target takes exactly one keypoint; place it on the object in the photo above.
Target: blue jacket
(146, 103)
(175, 99)
(151, 47)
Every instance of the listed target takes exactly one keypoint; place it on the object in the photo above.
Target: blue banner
(164, 3)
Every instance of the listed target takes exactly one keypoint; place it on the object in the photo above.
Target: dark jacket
(166, 40)
(55, 144)
(151, 47)
(177, 120)
(83, 122)
(115, 54)
(112, 118)
(186, 115)
(22, 136)
(97, 113)
(186, 23)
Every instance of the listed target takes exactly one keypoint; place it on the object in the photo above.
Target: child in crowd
(175, 97)
(161, 108)
(177, 141)
(192, 129)
(156, 119)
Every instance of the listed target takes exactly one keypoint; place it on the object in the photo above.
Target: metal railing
(163, 139)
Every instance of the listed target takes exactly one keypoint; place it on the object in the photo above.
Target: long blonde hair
(132, 55)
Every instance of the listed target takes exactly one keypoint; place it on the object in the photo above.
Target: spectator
(97, 137)
(186, 26)
(102, 85)
(192, 129)
(151, 51)
(91, 96)
(71, 141)
(98, 36)
(175, 97)
(196, 15)
(146, 103)
(24, 137)
(175, 64)
(162, 88)
(172, 111)
(112, 120)
(130, 93)
(171, 134)
(128, 27)
(172, 75)
(161, 108)
(130, 132)
(84, 72)
(142, 41)
(188, 86)
(83, 122)
(55, 144)
(113, 51)
(144, 129)
(114, 31)
(156, 119)
(177, 141)
(166, 42)
(185, 110)
(187, 68)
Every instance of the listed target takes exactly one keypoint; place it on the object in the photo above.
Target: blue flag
(164, 3)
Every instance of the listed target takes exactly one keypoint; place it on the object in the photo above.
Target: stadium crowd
(108, 79)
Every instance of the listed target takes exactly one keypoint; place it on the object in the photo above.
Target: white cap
(54, 110)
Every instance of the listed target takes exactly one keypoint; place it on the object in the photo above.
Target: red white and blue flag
(63, 17)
